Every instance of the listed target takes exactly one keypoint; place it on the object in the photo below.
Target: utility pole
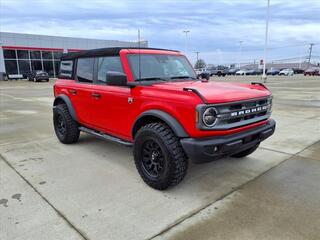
(240, 54)
(264, 76)
(197, 56)
(310, 53)
(186, 41)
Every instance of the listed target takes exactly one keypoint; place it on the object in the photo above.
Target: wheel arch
(158, 116)
(64, 99)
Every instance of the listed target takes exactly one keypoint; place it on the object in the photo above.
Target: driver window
(106, 64)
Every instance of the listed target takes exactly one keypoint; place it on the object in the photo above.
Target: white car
(286, 72)
(242, 72)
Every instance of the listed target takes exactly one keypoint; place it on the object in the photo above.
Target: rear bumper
(208, 149)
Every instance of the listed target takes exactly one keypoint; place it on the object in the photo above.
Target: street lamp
(186, 41)
(264, 76)
(240, 54)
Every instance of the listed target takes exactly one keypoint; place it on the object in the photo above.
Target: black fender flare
(64, 98)
(165, 117)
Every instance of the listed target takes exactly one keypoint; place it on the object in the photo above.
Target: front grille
(242, 113)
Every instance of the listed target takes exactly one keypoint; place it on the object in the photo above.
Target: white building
(21, 53)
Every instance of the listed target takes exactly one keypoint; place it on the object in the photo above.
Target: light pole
(264, 76)
(186, 41)
(240, 54)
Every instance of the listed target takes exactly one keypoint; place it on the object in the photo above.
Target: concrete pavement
(96, 192)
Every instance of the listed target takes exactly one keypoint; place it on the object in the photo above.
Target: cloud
(216, 27)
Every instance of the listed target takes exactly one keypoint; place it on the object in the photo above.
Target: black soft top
(102, 52)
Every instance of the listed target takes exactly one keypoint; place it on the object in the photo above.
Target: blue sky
(216, 26)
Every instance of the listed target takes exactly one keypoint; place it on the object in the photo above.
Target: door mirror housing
(116, 79)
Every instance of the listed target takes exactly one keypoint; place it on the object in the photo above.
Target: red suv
(151, 99)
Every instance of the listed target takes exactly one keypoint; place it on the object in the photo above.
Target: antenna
(139, 54)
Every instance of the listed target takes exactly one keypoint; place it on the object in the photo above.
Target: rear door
(110, 103)
(80, 91)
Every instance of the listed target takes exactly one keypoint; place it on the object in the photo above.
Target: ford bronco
(152, 100)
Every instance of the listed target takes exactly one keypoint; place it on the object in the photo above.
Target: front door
(110, 103)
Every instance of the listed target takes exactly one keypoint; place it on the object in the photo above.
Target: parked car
(242, 72)
(218, 72)
(286, 72)
(298, 71)
(273, 71)
(254, 72)
(156, 105)
(203, 73)
(37, 76)
(232, 71)
(312, 72)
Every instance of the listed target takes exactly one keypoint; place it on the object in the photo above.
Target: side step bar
(105, 136)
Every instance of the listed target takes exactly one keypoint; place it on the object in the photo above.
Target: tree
(200, 64)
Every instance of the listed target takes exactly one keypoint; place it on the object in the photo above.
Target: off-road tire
(176, 161)
(245, 152)
(72, 132)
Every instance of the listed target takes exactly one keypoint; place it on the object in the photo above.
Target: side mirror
(116, 79)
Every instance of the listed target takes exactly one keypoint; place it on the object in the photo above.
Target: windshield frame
(159, 78)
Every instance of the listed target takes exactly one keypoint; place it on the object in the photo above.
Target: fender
(64, 98)
(165, 117)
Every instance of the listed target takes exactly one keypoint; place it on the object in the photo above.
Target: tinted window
(57, 55)
(85, 69)
(35, 54)
(46, 55)
(36, 65)
(11, 66)
(65, 69)
(24, 66)
(106, 64)
(23, 54)
(9, 54)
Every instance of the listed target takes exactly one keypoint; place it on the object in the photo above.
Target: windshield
(160, 67)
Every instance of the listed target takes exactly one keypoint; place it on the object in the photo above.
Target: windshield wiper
(182, 77)
(151, 79)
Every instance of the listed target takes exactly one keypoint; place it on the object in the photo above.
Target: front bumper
(208, 149)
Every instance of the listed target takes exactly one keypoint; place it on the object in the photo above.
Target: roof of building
(103, 52)
(303, 65)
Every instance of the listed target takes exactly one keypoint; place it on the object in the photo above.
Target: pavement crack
(60, 214)
(196, 211)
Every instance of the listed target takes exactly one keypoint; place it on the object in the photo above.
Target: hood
(218, 92)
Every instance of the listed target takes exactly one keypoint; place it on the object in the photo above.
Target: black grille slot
(242, 113)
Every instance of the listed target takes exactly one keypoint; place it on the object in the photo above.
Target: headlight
(209, 117)
(270, 104)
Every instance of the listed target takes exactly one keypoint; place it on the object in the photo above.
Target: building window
(9, 54)
(24, 66)
(57, 55)
(47, 55)
(35, 55)
(85, 69)
(48, 67)
(11, 66)
(23, 54)
(36, 65)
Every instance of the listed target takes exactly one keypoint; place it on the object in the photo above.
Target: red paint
(74, 50)
(113, 114)
(31, 48)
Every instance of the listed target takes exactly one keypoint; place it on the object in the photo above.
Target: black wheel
(245, 152)
(159, 156)
(65, 127)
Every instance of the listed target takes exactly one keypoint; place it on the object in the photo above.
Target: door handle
(73, 91)
(96, 95)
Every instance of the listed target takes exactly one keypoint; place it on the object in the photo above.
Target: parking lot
(91, 190)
